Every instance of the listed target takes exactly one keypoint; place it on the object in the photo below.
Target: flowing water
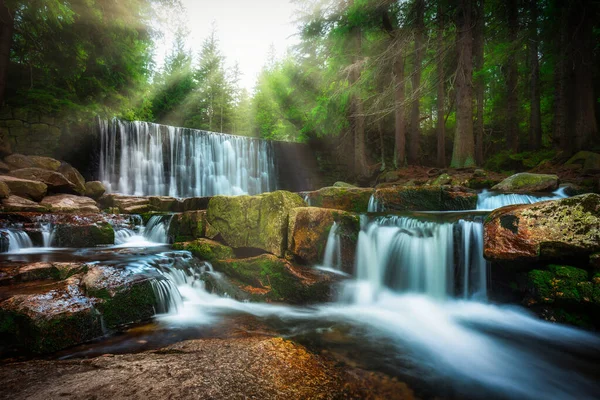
(491, 200)
(142, 158)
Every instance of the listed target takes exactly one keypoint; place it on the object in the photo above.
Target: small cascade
(17, 240)
(155, 232)
(373, 205)
(491, 200)
(404, 254)
(143, 159)
(332, 259)
(47, 234)
(157, 227)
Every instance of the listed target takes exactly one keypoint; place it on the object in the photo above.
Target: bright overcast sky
(245, 28)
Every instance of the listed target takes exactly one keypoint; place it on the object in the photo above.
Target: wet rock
(4, 190)
(187, 226)
(343, 184)
(426, 198)
(309, 229)
(164, 203)
(552, 231)
(341, 198)
(32, 190)
(19, 204)
(94, 189)
(76, 179)
(50, 321)
(70, 203)
(126, 204)
(206, 250)
(123, 296)
(588, 161)
(195, 203)
(272, 279)
(526, 183)
(55, 181)
(19, 161)
(40, 271)
(84, 235)
(254, 221)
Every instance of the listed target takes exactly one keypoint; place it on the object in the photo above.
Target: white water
(490, 200)
(332, 258)
(141, 158)
(153, 234)
(17, 240)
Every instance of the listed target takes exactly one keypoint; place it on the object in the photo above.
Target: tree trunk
(413, 154)
(358, 115)
(559, 137)
(512, 123)
(441, 90)
(535, 117)
(399, 96)
(479, 81)
(7, 25)
(463, 154)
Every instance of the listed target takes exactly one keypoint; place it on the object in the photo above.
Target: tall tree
(512, 107)
(7, 26)
(441, 89)
(535, 116)
(463, 154)
(478, 50)
(399, 106)
(415, 116)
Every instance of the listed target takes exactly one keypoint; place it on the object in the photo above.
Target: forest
(383, 84)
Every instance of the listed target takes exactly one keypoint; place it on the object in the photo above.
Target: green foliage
(505, 161)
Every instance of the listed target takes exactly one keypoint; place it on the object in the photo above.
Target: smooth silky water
(416, 309)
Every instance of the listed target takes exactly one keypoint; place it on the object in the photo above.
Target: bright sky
(245, 28)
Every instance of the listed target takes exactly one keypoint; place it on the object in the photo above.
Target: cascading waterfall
(17, 240)
(47, 234)
(490, 200)
(332, 258)
(155, 232)
(407, 255)
(142, 158)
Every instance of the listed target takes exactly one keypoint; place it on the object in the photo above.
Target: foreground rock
(25, 188)
(425, 198)
(55, 181)
(345, 198)
(70, 203)
(554, 231)
(247, 367)
(207, 250)
(254, 221)
(19, 204)
(526, 183)
(309, 229)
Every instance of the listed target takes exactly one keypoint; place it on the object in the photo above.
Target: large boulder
(70, 203)
(123, 296)
(20, 204)
(588, 160)
(206, 250)
(25, 188)
(351, 199)
(77, 180)
(19, 161)
(272, 279)
(254, 221)
(425, 198)
(83, 234)
(527, 183)
(94, 189)
(308, 232)
(187, 226)
(40, 271)
(50, 320)
(55, 181)
(553, 231)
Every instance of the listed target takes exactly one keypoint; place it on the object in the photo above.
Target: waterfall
(17, 240)
(47, 234)
(332, 259)
(491, 200)
(155, 232)
(142, 158)
(404, 254)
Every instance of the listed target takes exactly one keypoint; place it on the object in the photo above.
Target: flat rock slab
(526, 182)
(25, 188)
(251, 367)
(70, 203)
(20, 204)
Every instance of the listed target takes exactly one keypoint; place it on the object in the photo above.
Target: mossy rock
(187, 226)
(426, 198)
(443, 179)
(272, 279)
(254, 221)
(206, 250)
(350, 199)
(68, 235)
(344, 184)
(527, 183)
(587, 159)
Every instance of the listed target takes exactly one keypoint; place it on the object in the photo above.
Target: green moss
(206, 250)
(130, 304)
(561, 284)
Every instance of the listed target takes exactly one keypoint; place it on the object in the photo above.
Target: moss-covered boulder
(40, 271)
(343, 184)
(20, 204)
(254, 221)
(70, 203)
(187, 226)
(309, 229)
(553, 231)
(28, 189)
(206, 250)
(272, 279)
(351, 199)
(51, 320)
(425, 198)
(165, 203)
(94, 189)
(123, 297)
(589, 161)
(74, 176)
(443, 179)
(84, 234)
(527, 183)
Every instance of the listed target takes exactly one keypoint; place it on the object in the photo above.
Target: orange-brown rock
(550, 231)
(425, 198)
(352, 199)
